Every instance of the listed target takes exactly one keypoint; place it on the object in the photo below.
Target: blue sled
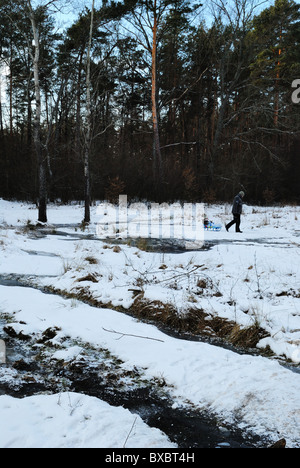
(212, 227)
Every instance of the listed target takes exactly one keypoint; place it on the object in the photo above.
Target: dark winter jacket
(237, 205)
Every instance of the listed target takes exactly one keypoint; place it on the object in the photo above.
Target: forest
(159, 99)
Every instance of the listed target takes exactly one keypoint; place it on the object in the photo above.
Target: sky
(70, 12)
(71, 9)
(74, 7)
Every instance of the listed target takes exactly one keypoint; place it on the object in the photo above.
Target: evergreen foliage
(225, 118)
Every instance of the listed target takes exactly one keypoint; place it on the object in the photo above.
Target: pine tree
(276, 41)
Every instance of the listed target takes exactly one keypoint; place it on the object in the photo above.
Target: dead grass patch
(92, 260)
(198, 322)
(166, 314)
(247, 337)
(194, 322)
(90, 277)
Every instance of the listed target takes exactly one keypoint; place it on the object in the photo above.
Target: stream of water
(187, 427)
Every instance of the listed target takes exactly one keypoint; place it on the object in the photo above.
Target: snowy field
(250, 279)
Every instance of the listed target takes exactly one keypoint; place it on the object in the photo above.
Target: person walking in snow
(236, 211)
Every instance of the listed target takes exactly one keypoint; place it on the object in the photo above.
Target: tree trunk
(276, 110)
(157, 160)
(37, 124)
(78, 108)
(29, 117)
(88, 142)
(11, 92)
(1, 118)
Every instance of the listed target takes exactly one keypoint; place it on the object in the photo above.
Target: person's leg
(228, 226)
(234, 221)
(237, 223)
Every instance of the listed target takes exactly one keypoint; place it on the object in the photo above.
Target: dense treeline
(146, 98)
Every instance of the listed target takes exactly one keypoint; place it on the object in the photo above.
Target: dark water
(186, 426)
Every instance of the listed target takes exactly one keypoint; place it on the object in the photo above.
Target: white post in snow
(2, 352)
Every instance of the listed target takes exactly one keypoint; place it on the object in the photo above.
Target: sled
(212, 227)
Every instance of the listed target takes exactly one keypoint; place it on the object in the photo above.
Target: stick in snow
(129, 432)
(127, 334)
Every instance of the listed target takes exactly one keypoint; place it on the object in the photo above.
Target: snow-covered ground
(249, 278)
(70, 420)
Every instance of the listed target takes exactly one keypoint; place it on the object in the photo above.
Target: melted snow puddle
(165, 245)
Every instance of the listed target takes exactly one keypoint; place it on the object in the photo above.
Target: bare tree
(236, 18)
(158, 168)
(30, 11)
(37, 120)
(89, 123)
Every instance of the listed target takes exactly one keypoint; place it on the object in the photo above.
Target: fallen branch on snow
(127, 334)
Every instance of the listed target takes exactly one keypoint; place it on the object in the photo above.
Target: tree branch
(128, 334)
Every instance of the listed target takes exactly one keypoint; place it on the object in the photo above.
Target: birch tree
(42, 216)
(158, 167)
(29, 12)
(35, 52)
(89, 123)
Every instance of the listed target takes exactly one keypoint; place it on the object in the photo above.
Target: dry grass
(92, 260)
(90, 278)
(195, 322)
